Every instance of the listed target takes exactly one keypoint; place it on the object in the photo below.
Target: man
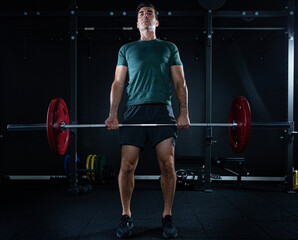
(150, 64)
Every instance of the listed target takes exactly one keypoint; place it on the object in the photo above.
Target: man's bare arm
(116, 96)
(182, 95)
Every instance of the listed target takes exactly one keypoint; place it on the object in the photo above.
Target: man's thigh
(165, 152)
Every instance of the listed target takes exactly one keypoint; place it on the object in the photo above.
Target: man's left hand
(183, 122)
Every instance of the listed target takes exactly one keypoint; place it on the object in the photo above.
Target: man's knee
(128, 166)
(129, 159)
(168, 168)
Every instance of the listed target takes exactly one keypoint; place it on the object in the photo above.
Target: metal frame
(128, 14)
(290, 102)
(208, 117)
(73, 25)
(209, 15)
(153, 178)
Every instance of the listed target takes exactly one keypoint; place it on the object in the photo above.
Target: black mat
(31, 210)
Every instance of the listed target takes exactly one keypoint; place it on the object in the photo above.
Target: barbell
(58, 125)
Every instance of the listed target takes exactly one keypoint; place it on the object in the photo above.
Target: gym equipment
(190, 178)
(186, 178)
(80, 190)
(58, 138)
(94, 157)
(67, 164)
(239, 136)
(58, 127)
(232, 165)
(96, 168)
(88, 166)
(295, 182)
(100, 167)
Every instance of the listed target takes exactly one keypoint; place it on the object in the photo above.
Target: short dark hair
(147, 4)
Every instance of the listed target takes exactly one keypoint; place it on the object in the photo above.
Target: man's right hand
(112, 123)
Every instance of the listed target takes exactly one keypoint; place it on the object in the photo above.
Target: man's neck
(148, 35)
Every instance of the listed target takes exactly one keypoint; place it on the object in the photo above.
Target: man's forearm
(182, 95)
(115, 98)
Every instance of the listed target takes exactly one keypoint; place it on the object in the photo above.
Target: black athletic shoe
(125, 226)
(169, 230)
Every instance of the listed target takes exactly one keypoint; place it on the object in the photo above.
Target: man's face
(147, 19)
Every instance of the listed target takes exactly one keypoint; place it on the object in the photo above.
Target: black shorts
(148, 113)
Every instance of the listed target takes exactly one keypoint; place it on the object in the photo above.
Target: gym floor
(43, 210)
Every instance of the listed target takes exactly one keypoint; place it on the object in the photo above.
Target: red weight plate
(240, 113)
(58, 138)
(50, 122)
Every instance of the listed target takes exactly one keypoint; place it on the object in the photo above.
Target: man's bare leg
(129, 161)
(165, 155)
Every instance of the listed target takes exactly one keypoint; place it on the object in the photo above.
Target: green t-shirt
(149, 70)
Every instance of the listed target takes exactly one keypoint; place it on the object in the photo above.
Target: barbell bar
(58, 126)
(63, 125)
(253, 124)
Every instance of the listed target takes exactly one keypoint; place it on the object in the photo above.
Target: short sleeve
(175, 56)
(121, 57)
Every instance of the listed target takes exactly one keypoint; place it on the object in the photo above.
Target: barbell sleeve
(27, 127)
(271, 124)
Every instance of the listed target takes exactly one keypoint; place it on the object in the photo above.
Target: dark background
(35, 68)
